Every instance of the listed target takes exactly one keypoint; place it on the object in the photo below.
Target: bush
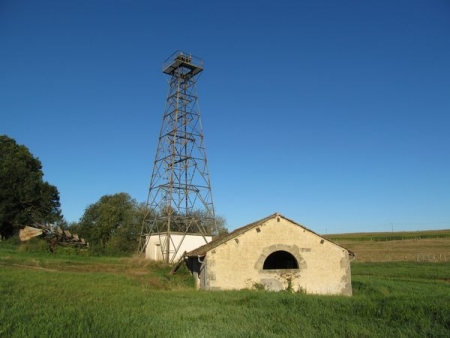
(34, 245)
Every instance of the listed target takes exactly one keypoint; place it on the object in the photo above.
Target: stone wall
(323, 267)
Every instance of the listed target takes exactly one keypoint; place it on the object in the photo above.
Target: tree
(112, 224)
(25, 198)
(221, 224)
(210, 228)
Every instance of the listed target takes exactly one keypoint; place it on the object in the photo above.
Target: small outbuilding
(274, 253)
(176, 243)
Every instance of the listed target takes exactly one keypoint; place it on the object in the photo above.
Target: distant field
(390, 236)
(419, 246)
(45, 295)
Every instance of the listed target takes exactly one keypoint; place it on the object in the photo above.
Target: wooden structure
(54, 236)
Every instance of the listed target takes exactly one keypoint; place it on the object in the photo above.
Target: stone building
(275, 253)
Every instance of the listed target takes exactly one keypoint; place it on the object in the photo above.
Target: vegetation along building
(275, 253)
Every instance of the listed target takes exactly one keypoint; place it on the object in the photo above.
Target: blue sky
(333, 113)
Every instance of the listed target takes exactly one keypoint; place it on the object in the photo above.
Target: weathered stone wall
(324, 267)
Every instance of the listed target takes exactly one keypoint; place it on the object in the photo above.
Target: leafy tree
(73, 227)
(25, 198)
(209, 226)
(221, 224)
(112, 224)
(187, 223)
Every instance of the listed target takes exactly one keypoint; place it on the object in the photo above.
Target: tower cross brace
(180, 198)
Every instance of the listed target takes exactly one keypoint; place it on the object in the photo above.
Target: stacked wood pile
(54, 236)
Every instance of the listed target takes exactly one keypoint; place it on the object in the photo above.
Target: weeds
(258, 286)
(72, 296)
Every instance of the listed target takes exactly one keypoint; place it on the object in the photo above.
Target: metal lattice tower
(180, 198)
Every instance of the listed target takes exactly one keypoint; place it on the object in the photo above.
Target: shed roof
(201, 251)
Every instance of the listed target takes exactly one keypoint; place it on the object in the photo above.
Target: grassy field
(418, 246)
(391, 236)
(45, 295)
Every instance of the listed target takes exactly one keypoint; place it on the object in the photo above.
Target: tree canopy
(112, 224)
(25, 198)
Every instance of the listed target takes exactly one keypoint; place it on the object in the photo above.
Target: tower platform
(193, 64)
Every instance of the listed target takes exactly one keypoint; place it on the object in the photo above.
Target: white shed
(178, 242)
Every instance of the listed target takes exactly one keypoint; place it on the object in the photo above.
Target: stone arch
(290, 249)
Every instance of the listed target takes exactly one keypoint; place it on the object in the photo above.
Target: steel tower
(180, 198)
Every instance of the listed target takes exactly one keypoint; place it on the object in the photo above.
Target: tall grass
(420, 271)
(390, 236)
(43, 295)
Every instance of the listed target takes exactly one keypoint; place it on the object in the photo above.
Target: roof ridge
(202, 250)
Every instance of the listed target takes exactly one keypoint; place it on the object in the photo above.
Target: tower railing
(180, 58)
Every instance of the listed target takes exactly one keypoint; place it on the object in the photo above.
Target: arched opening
(280, 260)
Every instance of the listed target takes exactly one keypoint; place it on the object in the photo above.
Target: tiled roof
(201, 251)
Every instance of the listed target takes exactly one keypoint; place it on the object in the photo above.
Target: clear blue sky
(334, 113)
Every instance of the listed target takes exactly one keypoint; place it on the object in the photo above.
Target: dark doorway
(280, 260)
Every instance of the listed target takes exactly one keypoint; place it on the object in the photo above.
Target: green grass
(44, 295)
(390, 236)
(433, 272)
